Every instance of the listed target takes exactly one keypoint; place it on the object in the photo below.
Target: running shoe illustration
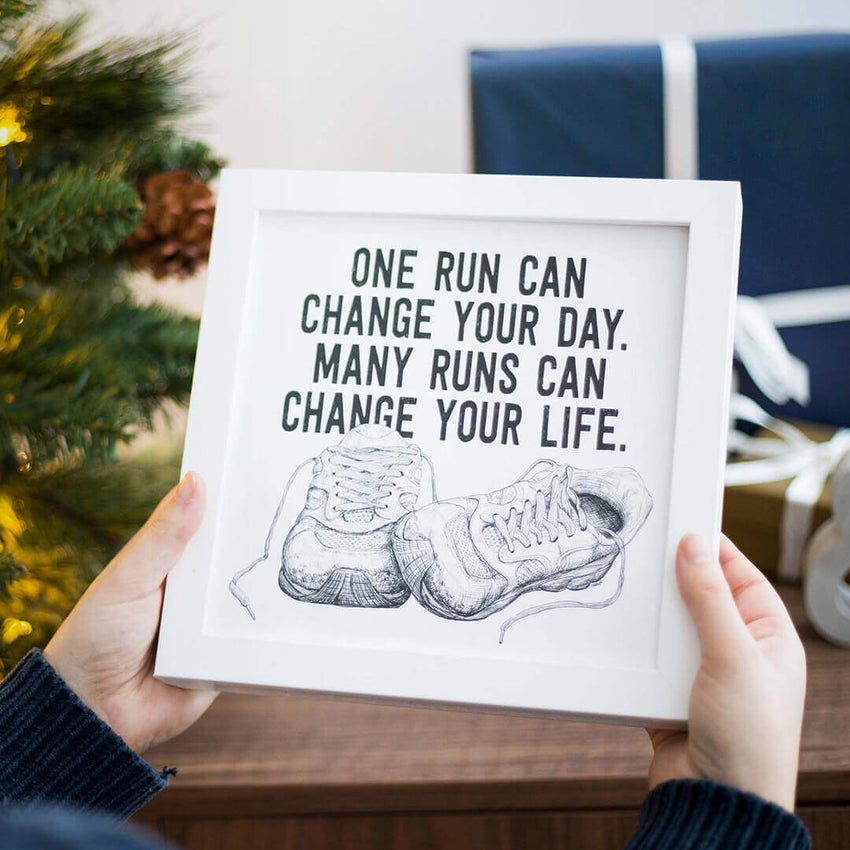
(556, 528)
(339, 551)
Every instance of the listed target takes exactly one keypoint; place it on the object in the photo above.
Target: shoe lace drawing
(339, 551)
(556, 528)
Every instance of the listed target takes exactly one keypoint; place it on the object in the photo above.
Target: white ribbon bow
(791, 454)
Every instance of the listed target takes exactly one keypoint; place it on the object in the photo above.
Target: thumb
(709, 599)
(142, 565)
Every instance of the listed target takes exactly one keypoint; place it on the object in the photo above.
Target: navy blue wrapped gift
(771, 112)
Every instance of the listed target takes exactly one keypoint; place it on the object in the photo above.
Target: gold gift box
(752, 514)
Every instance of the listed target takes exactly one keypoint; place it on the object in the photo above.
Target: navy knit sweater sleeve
(53, 748)
(688, 814)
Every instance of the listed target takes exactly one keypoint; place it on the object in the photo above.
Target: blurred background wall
(382, 84)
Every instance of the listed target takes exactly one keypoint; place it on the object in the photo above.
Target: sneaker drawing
(339, 551)
(556, 528)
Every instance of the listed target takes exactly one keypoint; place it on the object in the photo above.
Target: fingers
(740, 572)
(146, 560)
(709, 599)
(659, 737)
(755, 597)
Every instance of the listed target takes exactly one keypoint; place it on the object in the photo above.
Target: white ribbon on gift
(775, 371)
(791, 454)
(681, 113)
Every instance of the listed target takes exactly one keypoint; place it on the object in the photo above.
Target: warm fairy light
(12, 629)
(10, 522)
(11, 125)
(9, 338)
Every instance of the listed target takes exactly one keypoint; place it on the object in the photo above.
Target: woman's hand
(746, 707)
(105, 648)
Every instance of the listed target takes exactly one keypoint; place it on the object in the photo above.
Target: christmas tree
(94, 180)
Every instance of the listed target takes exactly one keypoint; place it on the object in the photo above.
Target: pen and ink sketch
(369, 537)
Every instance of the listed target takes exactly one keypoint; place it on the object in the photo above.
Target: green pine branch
(12, 14)
(77, 213)
(84, 106)
(168, 151)
(74, 520)
(83, 368)
(11, 11)
(102, 273)
(91, 509)
(80, 374)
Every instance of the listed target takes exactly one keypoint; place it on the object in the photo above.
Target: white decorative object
(827, 568)
(452, 429)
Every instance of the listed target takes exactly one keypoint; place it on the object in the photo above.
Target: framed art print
(452, 428)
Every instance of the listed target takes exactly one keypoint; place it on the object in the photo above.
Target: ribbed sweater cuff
(54, 748)
(702, 815)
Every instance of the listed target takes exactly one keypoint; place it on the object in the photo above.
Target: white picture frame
(258, 211)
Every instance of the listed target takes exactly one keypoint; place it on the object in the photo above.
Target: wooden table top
(293, 755)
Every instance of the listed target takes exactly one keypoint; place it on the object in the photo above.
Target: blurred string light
(12, 629)
(11, 125)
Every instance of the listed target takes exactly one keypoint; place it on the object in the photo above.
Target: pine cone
(173, 238)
